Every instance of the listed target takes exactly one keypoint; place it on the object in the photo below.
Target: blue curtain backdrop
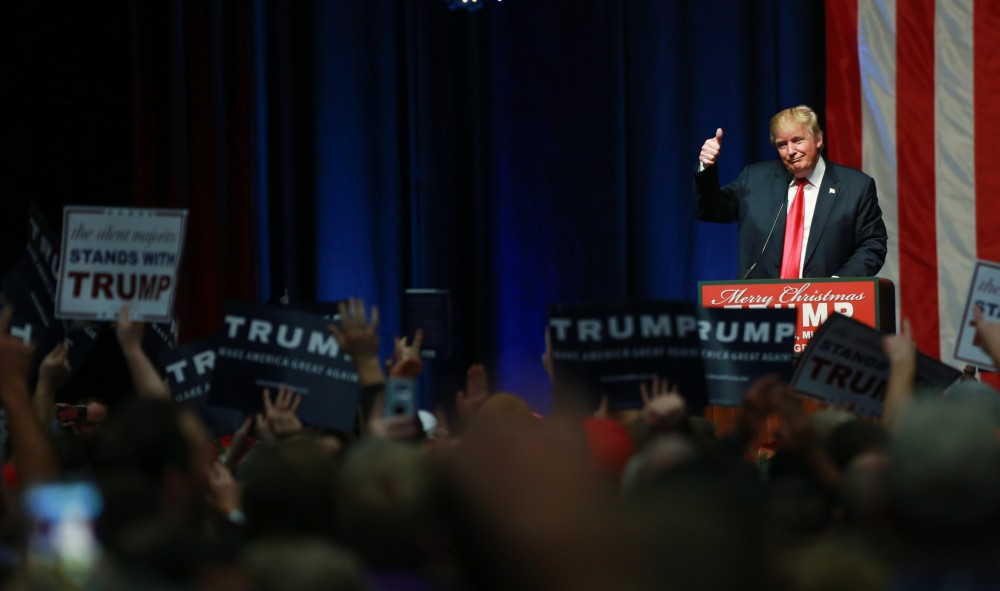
(536, 152)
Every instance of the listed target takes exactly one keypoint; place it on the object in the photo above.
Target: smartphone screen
(62, 546)
(400, 397)
(76, 413)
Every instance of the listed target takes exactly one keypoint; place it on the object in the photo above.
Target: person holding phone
(83, 419)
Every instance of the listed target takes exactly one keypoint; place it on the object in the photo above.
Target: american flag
(913, 99)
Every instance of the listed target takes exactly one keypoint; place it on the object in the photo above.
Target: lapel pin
(833, 191)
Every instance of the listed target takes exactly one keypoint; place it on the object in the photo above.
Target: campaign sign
(119, 256)
(30, 288)
(261, 346)
(845, 365)
(430, 311)
(815, 299)
(189, 371)
(985, 293)
(739, 346)
(610, 349)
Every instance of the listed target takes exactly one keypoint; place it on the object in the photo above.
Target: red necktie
(792, 256)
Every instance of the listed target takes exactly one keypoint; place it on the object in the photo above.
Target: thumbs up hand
(710, 149)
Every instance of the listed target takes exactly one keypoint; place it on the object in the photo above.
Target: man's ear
(819, 141)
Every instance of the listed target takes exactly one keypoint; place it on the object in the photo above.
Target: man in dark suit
(834, 230)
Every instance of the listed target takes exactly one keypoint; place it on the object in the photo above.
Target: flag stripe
(955, 189)
(986, 72)
(987, 109)
(876, 46)
(915, 150)
(930, 104)
(843, 83)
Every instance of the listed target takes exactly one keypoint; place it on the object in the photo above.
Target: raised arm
(902, 354)
(713, 202)
(988, 335)
(358, 337)
(145, 379)
(33, 454)
(53, 374)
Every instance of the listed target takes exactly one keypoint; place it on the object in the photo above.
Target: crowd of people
(499, 497)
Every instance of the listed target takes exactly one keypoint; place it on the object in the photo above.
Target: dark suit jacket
(847, 237)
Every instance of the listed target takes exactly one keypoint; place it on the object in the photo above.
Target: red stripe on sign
(915, 145)
(843, 83)
(986, 83)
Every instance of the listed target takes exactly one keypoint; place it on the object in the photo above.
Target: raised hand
(476, 392)
(15, 357)
(662, 404)
(358, 337)
(145, 378)
(902, 354)
(280, 415)
(711, 148)
(223, 491)
(239, 445)
(128, 332)
(900, 348)
(988, 335)
(406, 361)
(34, 455)
(54, 371)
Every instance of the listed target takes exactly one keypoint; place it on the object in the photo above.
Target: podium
(871, 300)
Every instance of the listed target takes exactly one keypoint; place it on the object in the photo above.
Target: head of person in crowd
(944, 478)
(676, 531)
(825, 420)
(152, 459)
(796, 134)
(389, 509)
(976, 394)
(165, 553)
(659, 456)
(303, 565)
(853, 438)
(290, 491)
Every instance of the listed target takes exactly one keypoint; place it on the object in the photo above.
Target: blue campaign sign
(30, 288)
(189, 370)
(739, 346)
(711, 355)
(610, 349)
(262, 346)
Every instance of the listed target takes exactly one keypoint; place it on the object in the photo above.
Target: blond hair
(800, 115)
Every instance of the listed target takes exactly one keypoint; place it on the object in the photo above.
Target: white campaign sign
(114, 257)
(984, 292)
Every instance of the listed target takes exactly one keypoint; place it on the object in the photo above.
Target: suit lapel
(824, 205)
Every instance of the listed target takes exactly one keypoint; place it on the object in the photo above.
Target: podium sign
(869, 300)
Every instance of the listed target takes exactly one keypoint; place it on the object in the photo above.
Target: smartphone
(62, 546)
(76, 413)
(400, 398)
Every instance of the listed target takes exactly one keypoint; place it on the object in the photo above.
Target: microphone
(766, 240)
